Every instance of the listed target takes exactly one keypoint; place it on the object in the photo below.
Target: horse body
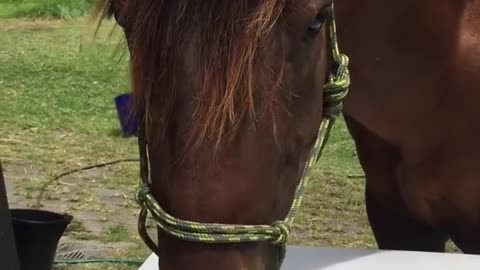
(413, 113)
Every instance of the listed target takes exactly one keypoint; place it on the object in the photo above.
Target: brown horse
(231, 95)
(413, 113)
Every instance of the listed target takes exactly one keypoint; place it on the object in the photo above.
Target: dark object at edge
(8, 250)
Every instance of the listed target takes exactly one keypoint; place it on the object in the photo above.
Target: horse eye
(318, 23)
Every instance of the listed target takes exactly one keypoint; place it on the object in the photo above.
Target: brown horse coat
(413, 111)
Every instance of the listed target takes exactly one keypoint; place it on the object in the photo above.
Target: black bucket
(37, 233)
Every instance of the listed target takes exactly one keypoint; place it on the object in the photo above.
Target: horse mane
(103, 10)
(229, 35)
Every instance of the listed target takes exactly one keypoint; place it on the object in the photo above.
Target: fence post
(8, 248)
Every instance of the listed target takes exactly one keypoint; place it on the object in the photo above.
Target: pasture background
(57, 84)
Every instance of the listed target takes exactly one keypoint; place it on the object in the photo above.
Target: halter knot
(142, 191)
(284, 232)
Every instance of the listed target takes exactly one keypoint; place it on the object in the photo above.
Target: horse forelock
(103, 9)
(229, 38)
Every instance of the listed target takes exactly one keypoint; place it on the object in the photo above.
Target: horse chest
(442, 192)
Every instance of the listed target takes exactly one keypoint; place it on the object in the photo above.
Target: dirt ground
(104, 218)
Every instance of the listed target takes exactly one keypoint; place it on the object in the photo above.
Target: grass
(59, 85)
(46, 9)
(116, 233)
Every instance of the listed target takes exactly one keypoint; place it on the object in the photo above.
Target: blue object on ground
(126, 116)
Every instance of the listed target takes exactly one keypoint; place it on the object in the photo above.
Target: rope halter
(335, 90)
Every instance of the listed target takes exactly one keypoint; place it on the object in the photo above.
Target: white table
(309, 258)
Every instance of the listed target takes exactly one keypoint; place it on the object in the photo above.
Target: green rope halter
(335, 90)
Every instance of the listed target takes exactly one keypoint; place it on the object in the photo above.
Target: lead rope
(335, 90)
(144, 181)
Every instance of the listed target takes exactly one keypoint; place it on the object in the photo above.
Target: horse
(413, 112)
(230, 96)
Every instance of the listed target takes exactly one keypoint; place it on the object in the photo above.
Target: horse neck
(398, 51)
(374, 15)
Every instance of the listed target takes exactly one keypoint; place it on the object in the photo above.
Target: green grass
(116, 233)
(59, 85)
(46, 9)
